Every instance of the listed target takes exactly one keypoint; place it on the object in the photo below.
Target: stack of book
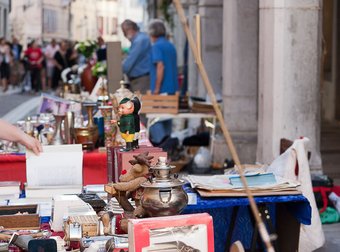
(231, 185)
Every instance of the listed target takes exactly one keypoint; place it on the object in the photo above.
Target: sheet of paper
(56, 165)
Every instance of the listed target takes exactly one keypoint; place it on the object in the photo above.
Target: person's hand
(156, 91)
(31, 143)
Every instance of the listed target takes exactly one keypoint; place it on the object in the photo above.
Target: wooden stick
(198, 37)
(206, 81)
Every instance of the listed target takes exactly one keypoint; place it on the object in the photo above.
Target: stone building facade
(263, 58)
(75, 20)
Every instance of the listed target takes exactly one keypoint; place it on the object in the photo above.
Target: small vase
(58, 138)
(109, 129)
(89, 109)
(88, 135)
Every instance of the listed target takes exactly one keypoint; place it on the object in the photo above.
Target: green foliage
(99, 69)
(86, 48)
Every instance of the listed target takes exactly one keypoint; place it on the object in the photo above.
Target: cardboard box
(125, 157)
(89, 225)
(189, 232)
(20, 217)
(117, 160)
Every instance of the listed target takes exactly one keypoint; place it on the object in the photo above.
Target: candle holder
(110, 130)
(58, 138)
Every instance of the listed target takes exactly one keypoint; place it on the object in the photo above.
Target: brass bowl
(87, 136)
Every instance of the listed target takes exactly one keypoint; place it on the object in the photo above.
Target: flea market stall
(100, 184)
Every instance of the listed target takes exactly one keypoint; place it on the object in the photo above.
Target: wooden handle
(198, 37)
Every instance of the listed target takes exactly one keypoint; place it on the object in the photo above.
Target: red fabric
(336, 190)
(323, 190)
(13, 167)
(94, 168)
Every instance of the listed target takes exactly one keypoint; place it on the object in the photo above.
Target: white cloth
(5, 54)
(311, 236)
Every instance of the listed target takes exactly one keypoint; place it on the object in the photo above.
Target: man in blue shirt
(163, 75)
(137, 63)
(163, 70)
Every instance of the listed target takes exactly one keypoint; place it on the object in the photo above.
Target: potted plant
(86, 48)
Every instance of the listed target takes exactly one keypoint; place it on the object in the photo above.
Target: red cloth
(94, 168)
(13, 168)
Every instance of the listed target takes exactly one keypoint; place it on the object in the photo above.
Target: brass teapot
(163, 195)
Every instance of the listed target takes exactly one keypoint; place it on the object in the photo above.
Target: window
(50, 21)
(100, 25)
(5, 22)
(107, 30)
(114, 27)
(1, 34)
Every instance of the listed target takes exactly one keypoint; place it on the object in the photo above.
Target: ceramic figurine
(126, 122)
(136, 108)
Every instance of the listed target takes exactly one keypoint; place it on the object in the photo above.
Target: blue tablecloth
(221, 208)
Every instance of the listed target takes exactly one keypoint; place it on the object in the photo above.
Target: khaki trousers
(141, 84)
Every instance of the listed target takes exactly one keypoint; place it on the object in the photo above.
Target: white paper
(192, 198)
(56, 165)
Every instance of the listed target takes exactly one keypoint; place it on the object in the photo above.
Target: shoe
(127, 148)
(135, 144)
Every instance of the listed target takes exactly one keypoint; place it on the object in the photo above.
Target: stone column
(192, 67)
(289, 76)
(240, 68)
(211, 12)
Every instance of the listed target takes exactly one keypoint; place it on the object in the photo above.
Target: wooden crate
(166, 104)
(89, 225)
(20, 217)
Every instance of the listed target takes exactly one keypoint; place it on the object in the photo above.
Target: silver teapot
(163, 194)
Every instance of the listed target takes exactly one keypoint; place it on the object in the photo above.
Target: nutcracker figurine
(136, 108)
(126, 122)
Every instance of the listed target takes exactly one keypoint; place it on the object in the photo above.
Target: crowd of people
(37, 68)
(150, 64)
